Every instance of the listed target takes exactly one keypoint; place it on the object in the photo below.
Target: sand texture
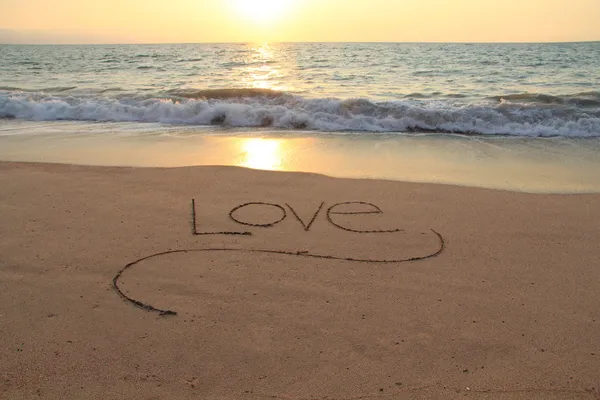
(356, 289)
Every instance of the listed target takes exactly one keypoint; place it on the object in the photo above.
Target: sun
(262, 10)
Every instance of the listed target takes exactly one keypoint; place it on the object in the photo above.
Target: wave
(189, 60)
(224, 93)
(55, 89)
(584, 99)
(266, 108)
(234, 64)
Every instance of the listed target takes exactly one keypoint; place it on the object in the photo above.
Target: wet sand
(339, 288)
(538, 165)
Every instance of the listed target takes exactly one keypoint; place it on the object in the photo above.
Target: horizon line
(297, 42)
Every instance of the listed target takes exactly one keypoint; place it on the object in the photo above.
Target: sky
(192, 21)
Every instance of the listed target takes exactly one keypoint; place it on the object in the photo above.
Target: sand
(421, 291)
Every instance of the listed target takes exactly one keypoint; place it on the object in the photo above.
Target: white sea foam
(285, 111)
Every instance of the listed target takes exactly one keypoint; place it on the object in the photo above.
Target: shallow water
(541, 165)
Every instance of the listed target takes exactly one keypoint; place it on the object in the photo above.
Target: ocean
(383, 95)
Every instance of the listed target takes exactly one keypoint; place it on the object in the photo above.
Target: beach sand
(453, 292)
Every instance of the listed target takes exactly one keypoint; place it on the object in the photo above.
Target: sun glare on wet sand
(261, 154)
(261, 10)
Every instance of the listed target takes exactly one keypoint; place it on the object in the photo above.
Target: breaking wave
(522, 115)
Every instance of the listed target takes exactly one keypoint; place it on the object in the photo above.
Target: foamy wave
(286, 111)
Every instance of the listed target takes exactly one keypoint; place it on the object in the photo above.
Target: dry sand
(509, 309)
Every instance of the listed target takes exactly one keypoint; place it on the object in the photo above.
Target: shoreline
(122, 168)
(526, 165)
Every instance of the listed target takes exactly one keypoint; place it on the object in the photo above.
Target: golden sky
(160, 21)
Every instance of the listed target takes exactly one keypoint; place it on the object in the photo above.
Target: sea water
(376, 93)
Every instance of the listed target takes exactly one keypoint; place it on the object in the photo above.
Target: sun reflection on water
(262, 71)
(262, 154)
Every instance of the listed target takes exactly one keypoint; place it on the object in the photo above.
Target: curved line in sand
(148, 307)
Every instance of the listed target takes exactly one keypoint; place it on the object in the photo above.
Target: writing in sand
(278, 213)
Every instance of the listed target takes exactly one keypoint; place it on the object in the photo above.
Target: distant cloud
(9, 36)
